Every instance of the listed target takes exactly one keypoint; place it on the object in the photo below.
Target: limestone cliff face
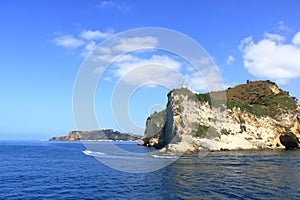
(252, 116)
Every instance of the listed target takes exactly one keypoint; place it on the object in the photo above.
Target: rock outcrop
(248, 116)
(97, 135)
(289, 140)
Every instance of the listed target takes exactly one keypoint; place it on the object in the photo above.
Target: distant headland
(97, 135)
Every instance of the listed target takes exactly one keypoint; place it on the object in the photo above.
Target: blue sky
(44, 43)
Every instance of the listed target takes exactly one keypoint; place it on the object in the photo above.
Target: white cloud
(230, 59)
(106, 58)
(136, 70)
(281, 27)
(106, 4)
(86, 40)
(107, 78)
(205, 79)
(98, 70)
(245, 44)
(274, 37)
(156, 69)
(152, 75)
(296, 39)
(68, 41)
(196, 81)
(103, 50)
(271, 58)
(130, 44)
(111, 51)
(91, 46)
(133, 69)
(212, 78)
(95, 35)
(109, 4)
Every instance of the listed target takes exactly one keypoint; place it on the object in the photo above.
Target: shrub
(225, 131)
(201, 131)
(212, 133)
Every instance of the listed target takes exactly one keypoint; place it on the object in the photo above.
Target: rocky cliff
(106, 134)
(248, 116)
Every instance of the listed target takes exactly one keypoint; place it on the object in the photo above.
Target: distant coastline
(105, 135)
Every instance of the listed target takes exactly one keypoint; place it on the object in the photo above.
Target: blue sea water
(60, 170)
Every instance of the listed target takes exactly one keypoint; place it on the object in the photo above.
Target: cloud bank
(136, 60)
(154, 68)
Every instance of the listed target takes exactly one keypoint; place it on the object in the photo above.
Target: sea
(74, 170)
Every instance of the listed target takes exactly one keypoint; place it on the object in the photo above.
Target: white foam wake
(165, 156)
(92, 153)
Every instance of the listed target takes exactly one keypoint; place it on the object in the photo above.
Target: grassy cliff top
(262, 98)
(253, 92)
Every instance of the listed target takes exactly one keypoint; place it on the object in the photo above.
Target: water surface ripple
(60, 170)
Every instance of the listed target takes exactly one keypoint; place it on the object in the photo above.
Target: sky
(44, 45)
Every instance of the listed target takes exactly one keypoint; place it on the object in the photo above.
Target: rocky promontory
(97, 135)
(248, 116)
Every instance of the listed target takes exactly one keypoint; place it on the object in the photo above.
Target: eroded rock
(289, 140)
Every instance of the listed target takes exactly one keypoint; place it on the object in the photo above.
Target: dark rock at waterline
(289, 140)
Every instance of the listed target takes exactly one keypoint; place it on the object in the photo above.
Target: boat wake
(138, 156)
(130, 156)
(92, 153)
(165, 156)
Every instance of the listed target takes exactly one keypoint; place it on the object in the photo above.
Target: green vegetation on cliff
(261, 98)
(159, 117)
(205, 131)
(204, 98)
(201, 131)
